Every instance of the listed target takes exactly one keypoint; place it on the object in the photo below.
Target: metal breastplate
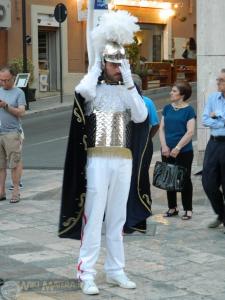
(109, 129)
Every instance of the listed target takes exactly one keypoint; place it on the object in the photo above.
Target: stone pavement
(175, 260)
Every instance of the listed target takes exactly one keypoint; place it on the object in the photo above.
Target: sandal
(187, 215)
(15, 199)
(169, 214)
(3, 197)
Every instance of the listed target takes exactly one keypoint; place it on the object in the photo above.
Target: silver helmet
(113, 52)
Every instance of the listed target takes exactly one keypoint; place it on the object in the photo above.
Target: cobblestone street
(175, 260)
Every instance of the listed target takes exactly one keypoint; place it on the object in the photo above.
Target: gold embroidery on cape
(79, 120)
(80, 117)
(144, 198)
(85, 142)
(82, 198)
(72, 221)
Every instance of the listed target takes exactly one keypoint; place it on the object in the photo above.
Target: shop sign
(82, 6)
(101, 4)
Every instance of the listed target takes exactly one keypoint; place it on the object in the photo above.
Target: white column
(167, 40)
(211, 57)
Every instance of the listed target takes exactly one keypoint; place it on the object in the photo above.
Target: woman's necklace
(179, 107)
(176, 107)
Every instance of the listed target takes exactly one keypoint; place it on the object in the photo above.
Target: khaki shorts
(10, 149)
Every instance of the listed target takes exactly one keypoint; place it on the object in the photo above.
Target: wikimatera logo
(11, 289)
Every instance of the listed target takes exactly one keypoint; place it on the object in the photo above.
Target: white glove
(126, 74)
(138, 108)
(87, 86)
(96, 68)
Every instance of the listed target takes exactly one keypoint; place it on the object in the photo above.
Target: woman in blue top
(176, 130)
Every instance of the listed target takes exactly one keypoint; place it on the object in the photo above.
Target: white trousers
(108, 184)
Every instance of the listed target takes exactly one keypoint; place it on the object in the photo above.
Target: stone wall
(211, 57)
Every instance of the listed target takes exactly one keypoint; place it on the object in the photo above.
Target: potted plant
(133, 54)
(137, 63)
(17, 66)
(142, 70)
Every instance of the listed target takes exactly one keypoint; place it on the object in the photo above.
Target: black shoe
(187, 215)
(169, 214)
(128, 230)
(141, 226)
(214, 224)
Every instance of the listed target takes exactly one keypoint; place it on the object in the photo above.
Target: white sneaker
(89, 287)
(122, 281)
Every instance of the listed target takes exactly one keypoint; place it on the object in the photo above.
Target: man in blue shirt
(138, 210)
(213, 176)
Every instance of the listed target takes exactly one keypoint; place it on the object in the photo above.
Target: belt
(219, 138)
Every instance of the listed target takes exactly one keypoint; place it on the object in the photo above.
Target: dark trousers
(183, 159)
(213, 176)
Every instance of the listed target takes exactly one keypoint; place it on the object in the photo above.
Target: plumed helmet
(111, 35)
(113, 52)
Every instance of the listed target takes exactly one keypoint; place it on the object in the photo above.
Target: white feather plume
(115, 26)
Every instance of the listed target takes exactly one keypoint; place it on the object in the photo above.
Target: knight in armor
(98, 165)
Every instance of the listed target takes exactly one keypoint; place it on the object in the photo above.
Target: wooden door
(3, 48)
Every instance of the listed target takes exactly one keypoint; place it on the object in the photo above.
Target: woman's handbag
(168, 176)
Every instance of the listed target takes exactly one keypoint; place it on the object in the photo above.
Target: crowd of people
(109, 152)
(112, 162)
(176, 130)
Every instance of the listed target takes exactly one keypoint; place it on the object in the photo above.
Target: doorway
(152, 42)
(47, 58)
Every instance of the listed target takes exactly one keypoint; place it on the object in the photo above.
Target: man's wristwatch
(6, 106)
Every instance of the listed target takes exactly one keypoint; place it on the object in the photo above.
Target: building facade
(161, 37)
